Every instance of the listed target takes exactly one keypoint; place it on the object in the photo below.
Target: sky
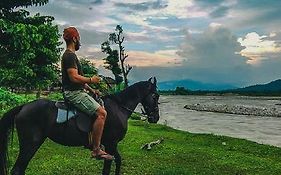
(235, 42)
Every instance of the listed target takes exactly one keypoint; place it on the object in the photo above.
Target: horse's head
(150, 102)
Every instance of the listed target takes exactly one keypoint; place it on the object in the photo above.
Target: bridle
(143, 113)
(156, 108)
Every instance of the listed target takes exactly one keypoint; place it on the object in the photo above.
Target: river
(265, 130)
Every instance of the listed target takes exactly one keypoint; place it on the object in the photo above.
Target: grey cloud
(159, 4)
(89, 37)
(219, 12)
(97, 2)
(208, 3)
(210, 57)
(85, 2)
(268, 70)
(215, 47)
(215, 7)
(214, 54)
(260, 4)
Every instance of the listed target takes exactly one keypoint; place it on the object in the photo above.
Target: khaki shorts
(83, 101)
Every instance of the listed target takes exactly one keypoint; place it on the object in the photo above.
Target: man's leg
(97, 134)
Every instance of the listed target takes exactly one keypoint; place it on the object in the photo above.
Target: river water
(265, 130)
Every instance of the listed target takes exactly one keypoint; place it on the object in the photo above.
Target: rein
(143, 114)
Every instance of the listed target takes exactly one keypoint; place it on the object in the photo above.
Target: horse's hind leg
(29, 140)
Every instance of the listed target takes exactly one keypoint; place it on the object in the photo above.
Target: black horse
(35, 121)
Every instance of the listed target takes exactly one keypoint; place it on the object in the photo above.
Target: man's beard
(77, 45)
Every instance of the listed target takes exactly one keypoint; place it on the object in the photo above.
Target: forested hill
(274, 86)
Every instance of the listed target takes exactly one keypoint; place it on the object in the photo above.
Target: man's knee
(101, 113)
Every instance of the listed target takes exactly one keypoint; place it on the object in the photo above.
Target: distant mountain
(193, 85)
(274, 86)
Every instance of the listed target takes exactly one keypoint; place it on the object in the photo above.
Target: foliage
(180, 153)
(10, 4)
(181, 91)
(57, 96)
(88, 67)
(112, 60)
(29, 48)
(9, 99)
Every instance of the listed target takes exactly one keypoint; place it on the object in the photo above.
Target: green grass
(179, 153)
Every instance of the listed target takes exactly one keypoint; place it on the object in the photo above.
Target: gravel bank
(236, 109)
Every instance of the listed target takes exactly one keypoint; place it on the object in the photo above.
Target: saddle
(67, 111)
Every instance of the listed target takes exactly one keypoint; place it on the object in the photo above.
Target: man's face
(77, 43)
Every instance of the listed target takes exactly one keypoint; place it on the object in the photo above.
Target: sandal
(102, 156)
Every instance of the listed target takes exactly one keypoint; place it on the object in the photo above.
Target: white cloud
(214, 25)
(161, 58)
(258, 47)
(183, 9)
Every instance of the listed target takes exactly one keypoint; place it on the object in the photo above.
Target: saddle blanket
(62, 115)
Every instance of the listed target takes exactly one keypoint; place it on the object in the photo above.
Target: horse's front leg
(117, 162)
(107, 164)
(106, 167)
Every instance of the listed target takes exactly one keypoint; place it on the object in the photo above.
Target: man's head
(71, 35)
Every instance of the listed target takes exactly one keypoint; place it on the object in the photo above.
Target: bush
(9, 99)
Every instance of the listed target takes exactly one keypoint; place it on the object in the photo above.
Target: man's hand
(91, 90)
(95, 79)
(98, 92)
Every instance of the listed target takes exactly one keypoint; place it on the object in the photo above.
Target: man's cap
(69, 33)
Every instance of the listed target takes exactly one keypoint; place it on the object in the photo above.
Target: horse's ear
(155, 81)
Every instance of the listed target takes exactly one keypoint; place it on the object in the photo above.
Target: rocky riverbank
(236, 109)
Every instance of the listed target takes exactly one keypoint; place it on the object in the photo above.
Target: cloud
(201, 36)
(216, 46)
(219, 12)
(97, 2)
(161, 58)
(214, 52)
(258, 47)
(143, 6)
(210, 56)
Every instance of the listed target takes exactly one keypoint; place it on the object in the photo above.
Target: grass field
(179, 153)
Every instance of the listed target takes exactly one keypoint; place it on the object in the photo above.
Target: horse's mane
(129, 91)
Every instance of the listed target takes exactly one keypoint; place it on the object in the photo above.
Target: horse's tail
(6, 125)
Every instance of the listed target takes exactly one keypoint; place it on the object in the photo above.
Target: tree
(88, 67)
(181, 91)
(29, 47)
(10, 4)
(112, 61)
(118, 38)
(89, 70)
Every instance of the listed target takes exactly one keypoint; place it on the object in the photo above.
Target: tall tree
(118, 38)
(29, 46)
(112, 61)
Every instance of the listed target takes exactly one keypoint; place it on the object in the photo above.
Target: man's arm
(76, 78)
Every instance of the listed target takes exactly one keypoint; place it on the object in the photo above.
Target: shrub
(9, 99)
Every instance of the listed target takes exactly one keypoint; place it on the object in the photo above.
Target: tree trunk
(38, 94)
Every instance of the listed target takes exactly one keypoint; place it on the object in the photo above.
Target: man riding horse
(74, 86)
